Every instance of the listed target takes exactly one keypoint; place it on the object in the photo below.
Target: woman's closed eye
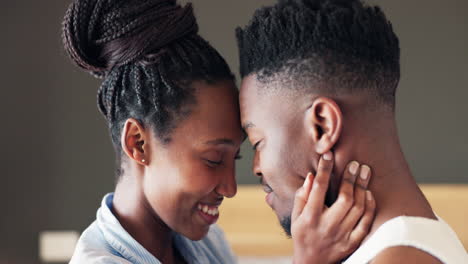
(214, 162)
(213, 158)
(219, 162)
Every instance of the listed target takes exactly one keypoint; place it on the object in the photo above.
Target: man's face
(275, 127)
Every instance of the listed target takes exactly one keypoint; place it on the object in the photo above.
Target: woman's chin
(198, 234)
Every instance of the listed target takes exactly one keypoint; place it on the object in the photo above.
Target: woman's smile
(209, 213)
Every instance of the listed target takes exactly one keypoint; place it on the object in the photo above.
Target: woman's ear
(324, 122)
(134, 141)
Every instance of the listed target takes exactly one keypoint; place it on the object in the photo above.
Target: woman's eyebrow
(220, 141)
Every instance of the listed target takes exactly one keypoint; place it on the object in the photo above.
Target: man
(321, 76)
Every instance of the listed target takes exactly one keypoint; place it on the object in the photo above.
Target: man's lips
(269, 199)
(269, 196)
(266, 187)
(269, 192)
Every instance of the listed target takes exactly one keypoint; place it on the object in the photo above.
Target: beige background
(56, 156)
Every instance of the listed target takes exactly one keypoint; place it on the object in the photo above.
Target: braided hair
(148, 52)
(342, 46)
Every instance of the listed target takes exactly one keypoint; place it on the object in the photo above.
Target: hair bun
(101, 34)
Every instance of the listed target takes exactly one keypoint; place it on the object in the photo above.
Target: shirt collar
(119, 239)
(194, 252)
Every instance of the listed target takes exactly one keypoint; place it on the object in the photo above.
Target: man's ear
(324, 122)
(134, 140)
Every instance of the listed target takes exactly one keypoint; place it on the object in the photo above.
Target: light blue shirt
(105, 241)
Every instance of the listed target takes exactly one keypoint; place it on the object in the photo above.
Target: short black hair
(344, 45)
(149, 53)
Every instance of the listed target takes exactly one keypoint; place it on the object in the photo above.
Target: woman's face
(188, 178)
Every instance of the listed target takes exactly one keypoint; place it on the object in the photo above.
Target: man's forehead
(249, 83)
(256, 92)
(278, 85)
(249, 101)
(262, 102)
(248, 96)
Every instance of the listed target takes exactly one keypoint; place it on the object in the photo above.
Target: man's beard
(286, 225)
(285, 222)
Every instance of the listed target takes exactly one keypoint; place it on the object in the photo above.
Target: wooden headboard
(253, 230)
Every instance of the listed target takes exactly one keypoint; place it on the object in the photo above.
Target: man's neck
(392, 183)
(138, 218)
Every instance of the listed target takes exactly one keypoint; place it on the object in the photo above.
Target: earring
(143, 160)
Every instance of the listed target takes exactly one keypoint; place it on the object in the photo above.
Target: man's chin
(285, 223)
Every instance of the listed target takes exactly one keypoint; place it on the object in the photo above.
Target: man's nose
(256, 165)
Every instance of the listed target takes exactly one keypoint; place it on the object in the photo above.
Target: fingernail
(353, 167)
(364, 172)
(327, 156)
(368, 195)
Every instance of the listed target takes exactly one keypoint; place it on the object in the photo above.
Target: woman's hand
(324, 234)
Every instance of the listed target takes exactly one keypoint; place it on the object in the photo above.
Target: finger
(362, 228)
(362, 181)
(315, 203)
(345, 199)
(302, 194)
(358, 208)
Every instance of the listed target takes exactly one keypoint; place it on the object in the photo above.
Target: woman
(171, 106)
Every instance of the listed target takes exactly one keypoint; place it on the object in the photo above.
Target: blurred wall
(57, 160)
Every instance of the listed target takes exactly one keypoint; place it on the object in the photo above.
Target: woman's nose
(228, 186)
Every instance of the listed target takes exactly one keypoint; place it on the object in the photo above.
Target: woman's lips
(209, 213)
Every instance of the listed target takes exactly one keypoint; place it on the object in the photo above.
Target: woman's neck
(137, 217)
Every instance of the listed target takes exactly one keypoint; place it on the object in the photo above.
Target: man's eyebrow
(247, 126)
(220, 141)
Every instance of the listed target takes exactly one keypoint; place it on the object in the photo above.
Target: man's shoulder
(408, 239)
(404, 254)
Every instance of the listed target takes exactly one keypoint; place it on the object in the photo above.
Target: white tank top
(431, 236)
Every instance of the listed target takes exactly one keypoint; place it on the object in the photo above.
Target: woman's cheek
(203, 181)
